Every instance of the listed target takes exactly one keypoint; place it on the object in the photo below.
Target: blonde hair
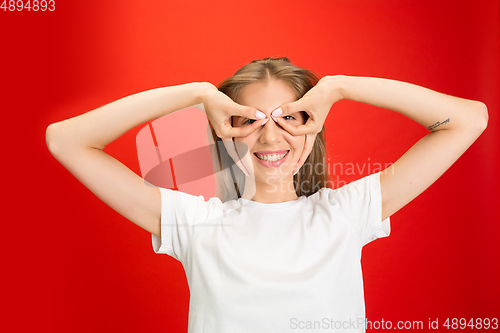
(230, 180)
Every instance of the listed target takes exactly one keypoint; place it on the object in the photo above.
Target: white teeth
(272, 157)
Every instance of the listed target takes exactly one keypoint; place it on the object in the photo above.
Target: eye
(248, 122)
(289, 117)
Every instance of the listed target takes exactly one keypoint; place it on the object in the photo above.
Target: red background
(71, 264)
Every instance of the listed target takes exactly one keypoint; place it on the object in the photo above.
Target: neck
(269, 193)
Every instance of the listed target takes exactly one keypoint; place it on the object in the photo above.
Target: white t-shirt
(281, 267)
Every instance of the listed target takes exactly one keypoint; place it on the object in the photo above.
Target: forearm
(97, 128)
(431, 109)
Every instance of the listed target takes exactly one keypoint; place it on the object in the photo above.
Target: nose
(270, 133)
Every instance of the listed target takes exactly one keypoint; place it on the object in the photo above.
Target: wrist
(205, 90)
(337, 85)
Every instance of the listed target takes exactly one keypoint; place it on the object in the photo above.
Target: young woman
(279, 249)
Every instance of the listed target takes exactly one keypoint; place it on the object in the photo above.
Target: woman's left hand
(317, 102)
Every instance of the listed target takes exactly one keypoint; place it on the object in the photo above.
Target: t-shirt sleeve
(361, 201)
(181, 214)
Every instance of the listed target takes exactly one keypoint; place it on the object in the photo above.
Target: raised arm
(77, 144)
(454, 124)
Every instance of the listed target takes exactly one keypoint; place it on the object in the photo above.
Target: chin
(276, 177)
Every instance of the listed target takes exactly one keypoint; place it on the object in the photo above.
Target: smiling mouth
(271, 157)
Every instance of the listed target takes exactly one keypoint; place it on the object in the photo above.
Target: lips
(271, 158)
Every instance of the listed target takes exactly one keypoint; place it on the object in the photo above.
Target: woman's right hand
(220, 109)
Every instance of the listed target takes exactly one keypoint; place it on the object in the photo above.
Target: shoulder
(188, 207)
(363, 187)
(182, 197)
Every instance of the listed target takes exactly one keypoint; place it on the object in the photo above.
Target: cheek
(296, 143)
(244, 145)
(241, 145)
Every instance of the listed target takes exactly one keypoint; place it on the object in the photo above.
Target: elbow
(475, 118)
(49, 137)
(62, 140)
(52, 140)
(481, 112)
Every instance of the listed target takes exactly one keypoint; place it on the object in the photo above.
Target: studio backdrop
(72, 264)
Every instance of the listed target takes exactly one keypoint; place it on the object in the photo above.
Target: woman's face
(274, 152)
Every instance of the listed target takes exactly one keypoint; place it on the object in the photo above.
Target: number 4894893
(30, 5)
